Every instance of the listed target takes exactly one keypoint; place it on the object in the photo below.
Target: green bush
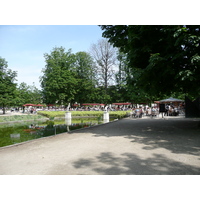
(50, 124)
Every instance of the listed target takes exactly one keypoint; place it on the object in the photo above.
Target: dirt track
(125, 147)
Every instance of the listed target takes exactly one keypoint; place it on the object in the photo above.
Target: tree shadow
(131, 164)
(179, 136)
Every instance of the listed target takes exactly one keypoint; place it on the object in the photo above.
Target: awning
(169, 100)
(75, 105)
(29, 104)
(90, 104)
(119, 104)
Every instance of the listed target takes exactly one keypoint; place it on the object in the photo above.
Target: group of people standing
(145, 111)
(170, 110)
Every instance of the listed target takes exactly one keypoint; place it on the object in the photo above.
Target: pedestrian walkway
(125, 147)
(9, 113)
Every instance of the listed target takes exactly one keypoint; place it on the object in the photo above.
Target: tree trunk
(4, 109)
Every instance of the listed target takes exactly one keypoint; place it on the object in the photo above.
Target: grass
(20, 118)
(115, 114)
(53, 114)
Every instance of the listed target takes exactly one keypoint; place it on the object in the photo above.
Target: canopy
(170, 100)
(90, 104)
(122, 104)
(39, 105)
(50, 105)
(29, 104)
(75, 105)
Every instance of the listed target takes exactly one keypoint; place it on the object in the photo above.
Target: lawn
(115, 114)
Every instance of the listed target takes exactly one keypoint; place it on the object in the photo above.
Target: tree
(105, 57)
(7, 85)
(86, 73)
(35, 95)
(27, 94)
(165, 58)
(58, 81)
(122, 76)
(127, 90)
(22, 94)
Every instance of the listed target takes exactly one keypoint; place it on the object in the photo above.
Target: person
(176, 112)
(153, 111)
(166, 110)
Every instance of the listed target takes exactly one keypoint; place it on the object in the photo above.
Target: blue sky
(23, 46)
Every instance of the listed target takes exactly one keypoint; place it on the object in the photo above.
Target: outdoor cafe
(170, 106)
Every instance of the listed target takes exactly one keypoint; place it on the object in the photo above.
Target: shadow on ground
(179, 136)
(130, 164)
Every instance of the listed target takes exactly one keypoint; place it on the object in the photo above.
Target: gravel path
(125, 147)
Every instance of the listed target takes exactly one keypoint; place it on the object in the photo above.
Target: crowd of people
(136, 111)
(170, 110)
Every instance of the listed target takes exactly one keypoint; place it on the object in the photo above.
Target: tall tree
(86, 73)
(58, 81)
(166, 58)
(121, 77)
(105, 56)
(7, 85)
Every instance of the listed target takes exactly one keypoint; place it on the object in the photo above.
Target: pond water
(20, 132)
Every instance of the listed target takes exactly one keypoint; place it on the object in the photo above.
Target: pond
(21, 132)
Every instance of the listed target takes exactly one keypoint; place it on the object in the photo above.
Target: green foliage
(74, 113)
(86, 77)
(167, 56)
(119, 114)
(7, 85)
(17, 128)
(58, 81)
(116, 114)
(68, 77)
(20, 118)
(50, 124)
(27, 94)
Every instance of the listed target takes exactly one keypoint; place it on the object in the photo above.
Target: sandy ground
(124, 147)
(8, 113)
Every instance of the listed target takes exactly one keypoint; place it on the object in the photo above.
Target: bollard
(68, 121)
(106, 117)
(68, 115)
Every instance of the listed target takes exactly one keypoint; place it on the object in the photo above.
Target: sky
(23, 46)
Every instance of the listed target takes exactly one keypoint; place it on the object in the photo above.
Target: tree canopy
(68, 77)
(27, 94)
(86, 74)
(58, 81)
(163, 58)
(7, 84)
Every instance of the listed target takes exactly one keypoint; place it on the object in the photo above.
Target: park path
(124, 147)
